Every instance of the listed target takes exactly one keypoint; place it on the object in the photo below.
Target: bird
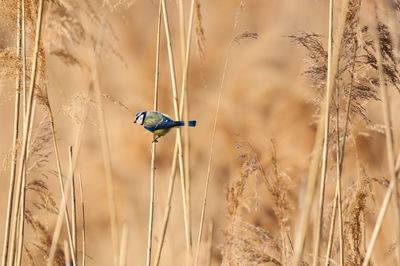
(158, 123)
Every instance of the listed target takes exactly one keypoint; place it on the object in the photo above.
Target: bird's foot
(155, 140)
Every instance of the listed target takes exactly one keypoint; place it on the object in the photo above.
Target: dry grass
(284, 115)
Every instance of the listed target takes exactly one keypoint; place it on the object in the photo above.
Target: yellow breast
(161, 132)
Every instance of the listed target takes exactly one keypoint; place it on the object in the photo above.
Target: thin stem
(22, 212)
(325, 147)
(313, 170)
(388, 130)
(124, 246)
(153, 150)
(21, 220)
(32, 87)
(71, 242)
(15, 139)
(73, 212)
(332, 229)
(180, 158)
(339, 168)
(21, 223)
(83, 223)
(210, 159)
(184, 95)
(105, 147)
(210, 242)
(60, 218)
(378, 224)
(169, 206)
(175, 153)
(66, 251)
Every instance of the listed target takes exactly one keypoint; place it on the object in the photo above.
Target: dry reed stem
(378, 224)
(339, 167)
(153, 150)
(23, 156)
(175, 153)
(332, 229)
(325, 145)
(186, 210)
(73, 214)
(83, 222)
(60, 218)
(71, 241)
(66, 252)
(210, 242)
(397, 169)
(105, 147)
(77, 143)
(168, 206)
(22, 200)
(182, 31)
(23, 59)
(388, 130)
(169, 197)
(184, 96)
(185, 99)
(21, 226)
(123, 246)
(151, 208)
(21, 222)
(211, 154)
(22, 212)
(313, 170)
(15, 139)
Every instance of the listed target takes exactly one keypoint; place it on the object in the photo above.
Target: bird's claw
(155, 140)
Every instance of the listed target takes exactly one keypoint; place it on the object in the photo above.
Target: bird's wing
(161, 125)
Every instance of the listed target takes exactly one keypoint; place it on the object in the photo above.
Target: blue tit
(158, 123)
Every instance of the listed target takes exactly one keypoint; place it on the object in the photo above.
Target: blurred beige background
(264, 97)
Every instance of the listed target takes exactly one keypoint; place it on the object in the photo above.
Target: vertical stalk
(388, 130)
(210, 242)
(180, 155)
(339, 168)
(17, 260)
(153, 150)
(22, 212)
(211, 154)
(14, 145)
(325, 147)
(322, 126)
(105, 147)
(83, 223)
(60, 178)
(124, 246)
(175, 153)
(60, 217)
(168, 207)
(378, 224)
(185, 100)
(73, 212)
(27, 123)
(66, 251)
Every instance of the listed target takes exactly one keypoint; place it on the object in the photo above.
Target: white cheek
(140, 120)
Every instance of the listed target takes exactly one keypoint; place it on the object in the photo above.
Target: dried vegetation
(263, 201)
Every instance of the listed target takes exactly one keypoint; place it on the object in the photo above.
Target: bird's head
(140, 117)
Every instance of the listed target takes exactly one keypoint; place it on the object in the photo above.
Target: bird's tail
(192, 123)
